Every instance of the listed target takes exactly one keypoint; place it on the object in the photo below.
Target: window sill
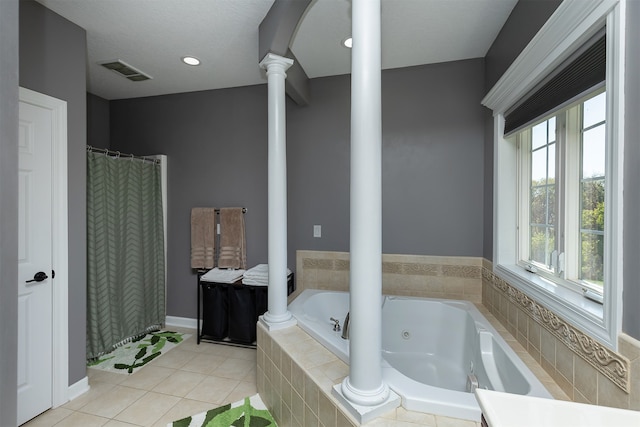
(573, 307)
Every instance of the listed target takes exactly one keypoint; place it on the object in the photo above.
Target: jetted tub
(435, 351)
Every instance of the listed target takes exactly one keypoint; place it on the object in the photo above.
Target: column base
(387, 402)
(273, 323)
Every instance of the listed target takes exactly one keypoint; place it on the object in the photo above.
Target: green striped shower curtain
(125, 251)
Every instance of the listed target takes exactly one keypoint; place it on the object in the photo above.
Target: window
(562, 196)
(570, 228)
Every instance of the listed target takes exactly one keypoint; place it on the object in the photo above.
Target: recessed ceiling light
(348, 42)
(190, 60)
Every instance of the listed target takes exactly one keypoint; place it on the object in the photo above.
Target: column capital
(272, 62)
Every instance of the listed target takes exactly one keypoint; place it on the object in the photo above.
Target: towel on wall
(203, 237)
(233, 245)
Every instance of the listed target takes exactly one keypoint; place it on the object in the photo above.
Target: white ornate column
(277, 315)
(364, 390)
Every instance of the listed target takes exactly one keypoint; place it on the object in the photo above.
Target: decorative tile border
(326, 264)
(394, 267)
(613, 366)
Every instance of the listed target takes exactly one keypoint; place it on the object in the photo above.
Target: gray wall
(216, 143)
(53, 61)
(526, 19)
(432, 126)
(217, 147)
(631, 295)
(8, 211)
(98, 126)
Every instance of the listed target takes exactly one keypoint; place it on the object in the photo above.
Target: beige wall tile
(634, 379)
(297, 406)
(534, 334)
(586, 380)
(311, 394)
(548, 346)
(629, 347)
(564, 361)
(297, 378)
(580, 398)
(310, 418)
(286, 417)
(326, 411)
(285, 366)
(610, 395)
(523, 324)
(344, 421)
(563, 383)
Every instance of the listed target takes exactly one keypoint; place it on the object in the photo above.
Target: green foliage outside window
(592, 228)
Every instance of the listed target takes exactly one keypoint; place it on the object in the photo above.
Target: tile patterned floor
(187, 380)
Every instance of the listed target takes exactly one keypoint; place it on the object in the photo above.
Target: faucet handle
(336, 324)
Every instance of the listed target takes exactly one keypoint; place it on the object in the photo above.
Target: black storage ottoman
(215, 315)
(242, 320)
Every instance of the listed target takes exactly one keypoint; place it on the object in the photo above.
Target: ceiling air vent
(125, 70)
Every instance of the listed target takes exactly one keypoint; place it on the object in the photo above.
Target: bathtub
(435, 352)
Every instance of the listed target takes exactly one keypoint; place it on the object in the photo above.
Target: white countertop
(508, 410)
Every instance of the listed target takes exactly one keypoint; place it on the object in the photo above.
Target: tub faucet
(336, 324)
(345, 328)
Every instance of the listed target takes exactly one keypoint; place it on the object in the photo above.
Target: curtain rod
(117, 154)
(217, 210)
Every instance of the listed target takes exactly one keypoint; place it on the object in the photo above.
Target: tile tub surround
(587, 371)
(405, 275)
(295, 375)
(472, 279)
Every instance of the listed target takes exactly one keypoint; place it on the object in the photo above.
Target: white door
(35, 281)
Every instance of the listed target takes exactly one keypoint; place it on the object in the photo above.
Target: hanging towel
(203, 237)
(233, 251)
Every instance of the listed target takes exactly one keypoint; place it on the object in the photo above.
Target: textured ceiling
(152, 35)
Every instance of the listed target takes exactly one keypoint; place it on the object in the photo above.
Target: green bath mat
(248, 412)
(134, 355)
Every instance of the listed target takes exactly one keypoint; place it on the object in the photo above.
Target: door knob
(38, 277)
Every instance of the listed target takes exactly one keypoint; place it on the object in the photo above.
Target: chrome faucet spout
(345, 328)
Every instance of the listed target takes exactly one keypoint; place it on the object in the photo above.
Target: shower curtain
(125, 251)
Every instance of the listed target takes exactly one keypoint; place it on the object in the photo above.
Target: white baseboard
(182, 322)
(78, 388)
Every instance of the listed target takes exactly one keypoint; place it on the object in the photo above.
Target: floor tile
(174, 359)
(112, 402)
(116, 423)
(179, 383)
(184, 408)
(213, 389)
(234, 368)
(78, 419)
(242, 390)
(203, 363)
(148, 409)
(49, 418)
(96, 389)
(147, 378)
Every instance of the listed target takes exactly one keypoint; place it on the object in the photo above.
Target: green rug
(249, 412)
(132, 356)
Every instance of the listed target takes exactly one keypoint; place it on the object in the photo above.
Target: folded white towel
(260, 271)
(251, 282)
(222, 276)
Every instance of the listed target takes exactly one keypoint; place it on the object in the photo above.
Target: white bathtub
(434, 351)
